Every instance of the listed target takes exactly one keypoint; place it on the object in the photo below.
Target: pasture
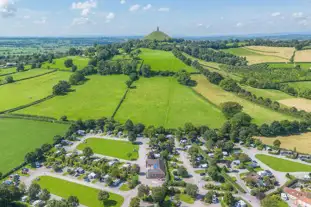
(283, 165)
(299, 103)
(87, 196)
(112, 148)
(302, 142)
(305, 66)
(80, 62)
(217, 96)
(274, 95)
(163, 60)
(19, 136)
(164, 102)
(96, 98)
(302, 85)
(254, 57)
(4, 71)
(25, 92)
(303, 56)
(27, 74)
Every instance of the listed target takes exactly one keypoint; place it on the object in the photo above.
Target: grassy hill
(157, 35)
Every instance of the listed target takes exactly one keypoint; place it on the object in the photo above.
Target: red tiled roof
(302, 196)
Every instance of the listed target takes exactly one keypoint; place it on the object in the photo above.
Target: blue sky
(139, 17)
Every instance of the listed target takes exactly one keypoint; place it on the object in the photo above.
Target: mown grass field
(27, 74)
(87, 196)
(5, 71)
(80, 62)
(305, 66)
(96, 98)
(283, 165)
(254, 57)
(164, 102)
(299, 103)
(274, 95)
(303, 56)
(302, 142)
(19, 137)
(217, 95)
(28, 91)
(301, 85)
(162, 60)
(112, 148)
(282, 52)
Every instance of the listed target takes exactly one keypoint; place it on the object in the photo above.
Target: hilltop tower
(158, 29)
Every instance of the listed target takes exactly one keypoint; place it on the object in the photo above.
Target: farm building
(156, 168)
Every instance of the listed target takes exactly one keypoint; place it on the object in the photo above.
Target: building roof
(302, 196)
(156, 164)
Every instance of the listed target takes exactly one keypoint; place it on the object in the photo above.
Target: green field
(161, 60)
(217, 95)
(111, 148)
(80, 62)
(28, 91)
(27, 74)
(96, 98)
(274, 95)
(302, 85)
(86, 195)
(19, 137)
(186, 198)
(5, 71)
(240, 51)
(305, 66)
(164, 102)
(283, 165)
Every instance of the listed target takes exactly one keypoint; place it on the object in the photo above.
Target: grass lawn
(28, 91)
(302, 142)
(19, 137)
(4, 71)
(96, 98)
(86, 195)
(274, 95)
(112, 148)
(305, 66)
(282, 204)
(283, 165)
(161, 60)
(217, 95)
(124, 187)
(186, 198)
(28, 74)
(80, 62)
(164, 102)
(303, 85)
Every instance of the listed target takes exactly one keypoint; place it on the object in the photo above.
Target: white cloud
(164, 9)
(7, 8)
(239, 24)
(275, 14)
(298, 15)
(134, 8)
(303, 22)
(40, 21)
(110, 16)
(85, 7)
(26, 17)
(147, 7)
(81, 21)
(199, 25)
(122, 1)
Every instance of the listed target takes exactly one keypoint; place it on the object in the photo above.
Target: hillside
(157, 35)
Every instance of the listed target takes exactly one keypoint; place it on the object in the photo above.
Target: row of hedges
(120, 103)
(27, 105)
(35, 118)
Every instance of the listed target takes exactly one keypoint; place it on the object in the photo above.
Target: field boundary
(120, 103)
(8, 74)
(27, 105)
(34, 118)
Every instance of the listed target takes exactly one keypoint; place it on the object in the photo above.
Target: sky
(140, 17)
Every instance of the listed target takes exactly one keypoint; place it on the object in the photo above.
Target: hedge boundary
(120, 103)
(34, 118)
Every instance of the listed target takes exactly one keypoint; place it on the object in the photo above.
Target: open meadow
(283, 165)
(274, 95)
(282, 52)
(26, 74)
(96, 98)
(4, 71)
(162, 60)
(302, 142)
(164, 102)
(303, 56)
(301, 85)
(108, 148)
(217, 96)
(305, 66)
(80, 62)
(27, 91)
(19, 137)
(299, 103)
(254, 57)
(87, 196)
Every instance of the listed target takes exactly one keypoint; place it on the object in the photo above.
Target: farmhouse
(299, 198)
(156, 168)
